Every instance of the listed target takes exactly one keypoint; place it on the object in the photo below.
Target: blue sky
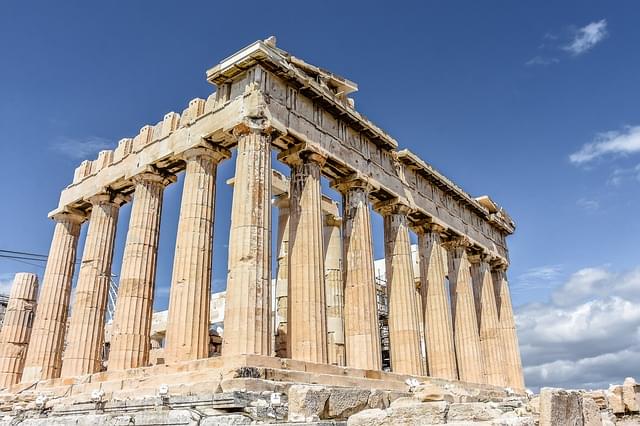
(534, 104)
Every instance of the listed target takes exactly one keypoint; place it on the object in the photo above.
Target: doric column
(507, 328)
(130, 332)
(307, 325)
(404, 323)
(282, 203)
(83, 354)
(189, 300)
(334, 289)
(438, 328)
(16, 328)
(488, 326)
(362, 331)
(247, 322)
(44, 357)
(463, 312)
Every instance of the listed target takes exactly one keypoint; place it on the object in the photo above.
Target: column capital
(216, 153)
(428, 226)
(152, 174)
(499, 264)
(252, 126)
(303, 153)
(481, 257)
(460, 243)
(398, 206)
(108, 196)
(352, 181)
(332, 220)
(69, 214)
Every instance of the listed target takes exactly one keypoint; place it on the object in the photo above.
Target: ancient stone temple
(324, 326)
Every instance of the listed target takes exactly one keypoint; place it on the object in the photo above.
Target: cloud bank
(587, 336)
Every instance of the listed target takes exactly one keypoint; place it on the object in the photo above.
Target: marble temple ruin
(270, 104)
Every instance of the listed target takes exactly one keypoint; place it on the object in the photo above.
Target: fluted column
(334, 289)
(83, 354)
(130, 332)
(362, 331)
(404, 323)
(282, 203)
(44, 356)
(189, 300)
(307, 325)
(247, 322)
(438, 327)
(463, 312)
(507, 329)
(16, 328)
(488, 325)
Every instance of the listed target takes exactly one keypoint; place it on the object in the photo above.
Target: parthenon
(270, 104)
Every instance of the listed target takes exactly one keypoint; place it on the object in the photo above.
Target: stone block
(473, 411)
(373, 417)
(344, 402)
(124, 148)
(513, 421)
(170, 123)
(558, 407)
(307, 403)
(378, 399)
(428, 392)
(614, 399)
(421, 413)
(231, 419)
(599, 397)
(171, 417)
(590, 412)
(82, 171)
(630, 397)
(196, 108)
(104, 160)
(143, 138)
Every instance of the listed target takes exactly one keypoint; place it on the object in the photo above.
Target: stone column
(16, 328)
(507, 328)
(130, 332)
(463, 312)
(362, 332)
(404, 323)
(44, 356)
(488, 326)
(307, 324)
(334, 289)
(83, 354)
(438, 328)
(247, 322)
(282, 203)
(189, 300)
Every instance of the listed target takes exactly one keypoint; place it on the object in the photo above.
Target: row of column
(460, 346)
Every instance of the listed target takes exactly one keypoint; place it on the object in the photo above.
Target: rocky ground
(421, 404)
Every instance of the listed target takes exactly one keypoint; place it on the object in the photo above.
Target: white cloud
(587, 204)
(588, 335)
(609, 143)
(620, 175)
(587, 37)
(81, 148)
(541, 60)
(538, 277)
